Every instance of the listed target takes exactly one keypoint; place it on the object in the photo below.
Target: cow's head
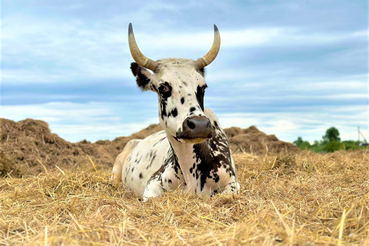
(180, 86)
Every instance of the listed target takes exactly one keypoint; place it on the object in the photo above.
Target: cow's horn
(140, 58)
(213, 52)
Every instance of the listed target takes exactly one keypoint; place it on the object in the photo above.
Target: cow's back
(144, 160)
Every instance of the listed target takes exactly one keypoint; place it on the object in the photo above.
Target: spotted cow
(192, 152)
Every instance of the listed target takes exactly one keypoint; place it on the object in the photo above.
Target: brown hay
(24, 144)
(299, 199)
(251, 140)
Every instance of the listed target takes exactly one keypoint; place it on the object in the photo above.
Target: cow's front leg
(154, 188)
(231, 188)
(167, 178)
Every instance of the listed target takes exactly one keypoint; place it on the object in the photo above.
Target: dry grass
(303, 199)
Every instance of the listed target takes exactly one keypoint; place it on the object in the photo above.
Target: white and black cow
(192, 151)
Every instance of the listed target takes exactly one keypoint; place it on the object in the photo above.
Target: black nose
(196, 127)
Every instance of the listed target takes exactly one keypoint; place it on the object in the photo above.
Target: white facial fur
(184, 81)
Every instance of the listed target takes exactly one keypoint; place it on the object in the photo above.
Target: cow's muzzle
(197, 127)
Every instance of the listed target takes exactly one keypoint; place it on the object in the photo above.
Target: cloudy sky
(291, 68)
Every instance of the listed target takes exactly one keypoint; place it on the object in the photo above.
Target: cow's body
(153, 166)
(192, 152)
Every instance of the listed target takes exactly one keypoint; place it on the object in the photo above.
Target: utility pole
(358, 133)
(364, 143)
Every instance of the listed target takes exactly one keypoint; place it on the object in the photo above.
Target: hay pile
(251, 140)
(28, 147)
(297, 199)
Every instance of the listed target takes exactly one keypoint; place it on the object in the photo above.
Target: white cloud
(275, 36)
(311, 125)
(63, 51)
(92, 121)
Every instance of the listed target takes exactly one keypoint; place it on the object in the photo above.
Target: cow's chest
(205, 168)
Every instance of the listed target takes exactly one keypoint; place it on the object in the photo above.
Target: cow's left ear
(202, 72)
(143, 77)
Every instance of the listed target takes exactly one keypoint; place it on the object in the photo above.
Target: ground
(287, 199)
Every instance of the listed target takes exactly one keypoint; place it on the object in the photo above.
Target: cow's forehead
(179, 70)
(175, 62)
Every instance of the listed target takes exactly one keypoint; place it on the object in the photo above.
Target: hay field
(299, 199)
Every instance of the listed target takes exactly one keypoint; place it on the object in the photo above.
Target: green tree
(298, 142)
(332, 146)
(301, 144)
(332, 134)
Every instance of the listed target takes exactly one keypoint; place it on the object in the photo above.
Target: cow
(192, 152)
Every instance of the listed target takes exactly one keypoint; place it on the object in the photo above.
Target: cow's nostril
(190, 124)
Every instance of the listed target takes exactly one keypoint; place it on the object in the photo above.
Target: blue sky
(292, 68)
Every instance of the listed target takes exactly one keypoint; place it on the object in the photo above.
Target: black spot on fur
(192, 109)
(152, 160)
(171, 161)
(192, 168)
(160, 140)
(214, 193)
(153, 87)
(209, 164)
(163, 100)
(182, 100)
(174, 112)
(141, 176)
(200, 92)
(169, 181)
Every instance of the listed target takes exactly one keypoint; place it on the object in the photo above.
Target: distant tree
(350, 145)
(332, 134)
(332, 146)
(301, 144)
(317, 146)
(316, 142)
(331, 142)
(298, 142)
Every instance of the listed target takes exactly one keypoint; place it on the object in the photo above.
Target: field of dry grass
(300, 199)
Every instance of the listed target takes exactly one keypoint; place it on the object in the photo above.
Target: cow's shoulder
(145, 159)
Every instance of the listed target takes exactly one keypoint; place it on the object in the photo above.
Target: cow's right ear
(143, 77)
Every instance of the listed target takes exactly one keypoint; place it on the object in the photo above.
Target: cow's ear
(143, 77)
(202, 72)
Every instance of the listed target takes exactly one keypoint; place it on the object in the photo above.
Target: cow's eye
(164, 89)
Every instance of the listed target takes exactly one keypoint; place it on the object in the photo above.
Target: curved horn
(213, 52)
(140, 58)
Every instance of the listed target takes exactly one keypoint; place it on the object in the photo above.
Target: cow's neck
(186, 159)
